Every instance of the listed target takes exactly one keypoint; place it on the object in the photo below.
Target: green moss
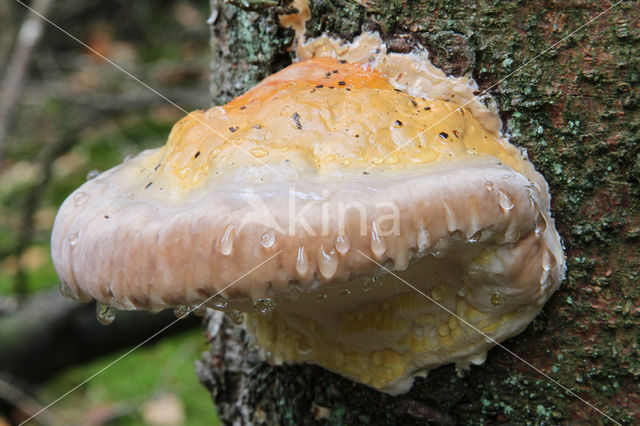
(166, 367)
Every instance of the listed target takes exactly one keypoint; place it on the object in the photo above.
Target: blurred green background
(74, 114)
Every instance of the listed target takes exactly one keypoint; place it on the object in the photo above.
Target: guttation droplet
(181, 311)
(264, 306)
(497, 299)
(80, 198)
(73, 239)
(267, 239)
(219, 302)
(302, 345)
(378, 246)
(369, 284)
(226, 241)
(65, 290)
(489, 186)
(302, 261)
(236, 317)
(327, 262)
(342, 244)
(541, 224)
(105, 314)
(505, 200)
(93, 174)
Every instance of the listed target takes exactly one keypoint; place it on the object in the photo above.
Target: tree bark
(574, 107)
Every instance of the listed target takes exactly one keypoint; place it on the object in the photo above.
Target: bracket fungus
(346, 165)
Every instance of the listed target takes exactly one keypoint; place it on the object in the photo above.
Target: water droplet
(66, 291)
(537, 186)
(512, 235)
(369, 284)
(259, 152)
(219, 302)
(268, 239)
(489, 186)
(181, 311)
(127, 158)
(199, 310)
(548, 260)
(545, 279)
(226, 241)
(449, 216)
(378, 247)
(73, 239)
(236, 317)
(293, 291)
(497, 299)
(105, 314)
(264, 306)
(345, 292)
(342, 243)
(475, 237)
(541, 224)
(322, 296)
(302, 261)
(436, 294)
(505, 200)
(80, 198)
(302, 345)
(524, 154)
(423, 238)
(440, 248)
(93, 174)
(327, 262)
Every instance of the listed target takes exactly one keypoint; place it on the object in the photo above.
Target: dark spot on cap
(335, 71)
(414, 103)
(365, 172)
(342, 61)
(155, 169)
(341, 83)
(148, 185)
(197, 155)
(444, 135)
(461, 111)
(427, 108)
(328, 74)
(397, 123)
(319, 86)
(257, 126)
(455, 133)
(243, 107)
(296, 120)
(106, 216)
(233, 129)
(398, 90)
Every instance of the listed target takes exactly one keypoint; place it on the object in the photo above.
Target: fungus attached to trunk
(339, 168)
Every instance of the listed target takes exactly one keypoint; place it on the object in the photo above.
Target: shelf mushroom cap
(328, 174)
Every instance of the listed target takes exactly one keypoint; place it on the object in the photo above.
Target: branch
(28, 36)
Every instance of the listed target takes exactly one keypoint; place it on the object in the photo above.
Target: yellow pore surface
(332, 115)
(406, 333)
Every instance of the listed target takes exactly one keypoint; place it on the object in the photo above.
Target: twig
(28, 36)
(24, 402)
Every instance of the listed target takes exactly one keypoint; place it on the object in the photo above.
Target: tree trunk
(574, 106)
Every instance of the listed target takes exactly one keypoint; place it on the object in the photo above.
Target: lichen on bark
(573, 104)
